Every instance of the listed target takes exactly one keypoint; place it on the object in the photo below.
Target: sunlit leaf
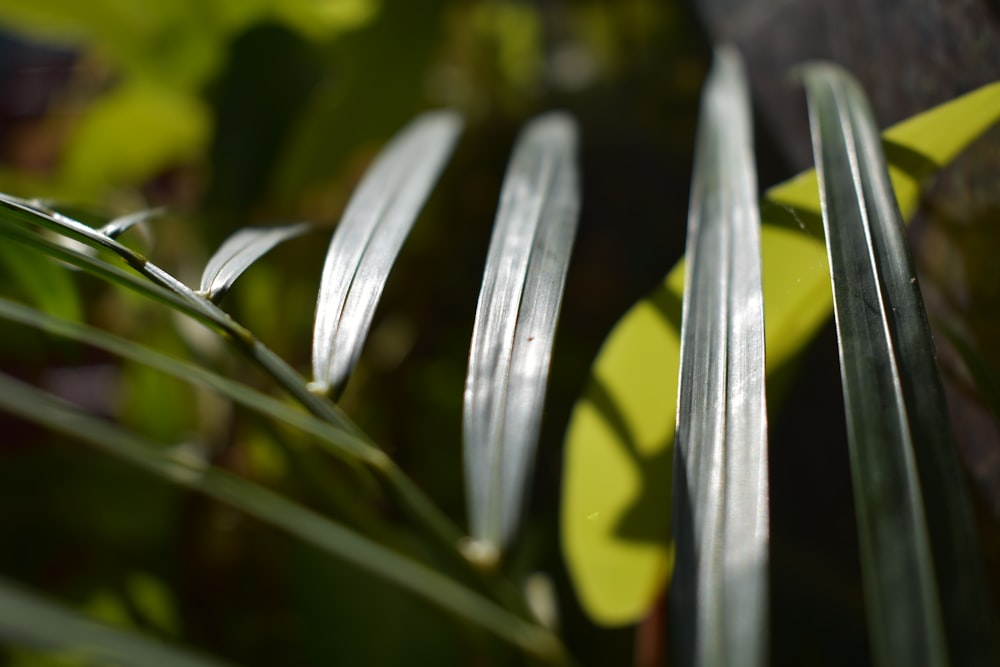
(17, 221)
(719, 591)
(181, 468)
(16, 216)
(238, 252)
(515, 326)
(618, 440)
(925, 588)
(371, 233)
(122, 224)
(27, 619)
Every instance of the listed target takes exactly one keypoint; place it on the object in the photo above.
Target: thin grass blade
(515, 325)
(719, 595)
(924, 584)
(33, 404)
(368, 239)
(238, 252)
(27, 619)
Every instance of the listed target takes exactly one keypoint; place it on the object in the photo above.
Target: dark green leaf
(27, 619)
(179, 467)
(924, 585)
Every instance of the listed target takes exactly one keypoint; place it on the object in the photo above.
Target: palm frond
(238, 252)
(924, 584)
(122, 224)
(515, 326)
(719, 594)
(368, 239)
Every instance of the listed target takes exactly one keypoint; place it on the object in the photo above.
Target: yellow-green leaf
(616, 484)
(131, 134)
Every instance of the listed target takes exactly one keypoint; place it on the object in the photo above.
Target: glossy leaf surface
(238, 252)
(719, 591)
(371, 233)
(617, 458)
(515, 325)
(924, 585)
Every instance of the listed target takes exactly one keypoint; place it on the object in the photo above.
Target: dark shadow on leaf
(647, 519)
(913, 162)
(683, 585)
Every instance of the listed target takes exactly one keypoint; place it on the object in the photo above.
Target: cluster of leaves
(616, 487)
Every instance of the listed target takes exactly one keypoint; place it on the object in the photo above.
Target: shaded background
(233, 113)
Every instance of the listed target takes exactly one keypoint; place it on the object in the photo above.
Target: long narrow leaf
(719, 597)
(39, 406)
(618, 443)
(341, 442)
(368, 239)
(238, 252)
(181, 298)
(924, 584)
(15, 216)
(515, 325)
(122, 224)
(27, 619)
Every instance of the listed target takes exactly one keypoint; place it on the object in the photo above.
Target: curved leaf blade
(27, 619)
(719, 593)
(923, 580)
(369, 237)
(15, 216)
(617, 549)
(123, 223)
(515, 325)
(238, 252)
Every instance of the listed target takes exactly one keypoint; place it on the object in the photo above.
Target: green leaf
(342, 443)
(719, 592)
(132, 134)
(15, 215)
(515, 327)
(924, 584)
(42, 280)
(122, 224)
(181, 468)
(238, 252)
(613, 507)
(368, 239)
(27, 619)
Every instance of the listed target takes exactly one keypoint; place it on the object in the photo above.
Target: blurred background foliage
(237, 112)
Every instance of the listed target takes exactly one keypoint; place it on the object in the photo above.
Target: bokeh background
(239, 112)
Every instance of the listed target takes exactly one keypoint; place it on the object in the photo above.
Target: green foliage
(625, 419)
(269, 528)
